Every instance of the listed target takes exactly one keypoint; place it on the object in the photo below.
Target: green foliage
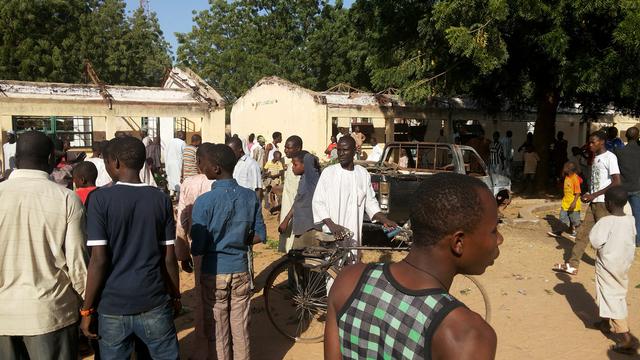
(49, 40)
(310, 42)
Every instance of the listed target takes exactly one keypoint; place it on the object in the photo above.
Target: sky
(176, 16)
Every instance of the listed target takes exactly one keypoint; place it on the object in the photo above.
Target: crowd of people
(102, 262)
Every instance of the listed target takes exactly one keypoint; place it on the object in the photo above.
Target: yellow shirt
(571, 187)
(274, 168)
(43, 256)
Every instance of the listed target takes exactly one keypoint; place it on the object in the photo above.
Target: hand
(389, 223)
(339, 232)
(187, 265)
(571, 207)
(85, 326)
(177, 307)
(283, 226)
(587, 197)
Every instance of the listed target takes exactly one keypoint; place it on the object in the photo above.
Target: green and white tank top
(383, 320)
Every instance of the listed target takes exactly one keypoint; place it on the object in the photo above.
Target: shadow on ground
(563, 243)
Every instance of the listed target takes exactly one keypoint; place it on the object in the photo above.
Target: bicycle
(296, 290)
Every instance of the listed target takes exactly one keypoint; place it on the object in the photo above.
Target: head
(597, 141)
(509, 133)
(569, 168)
(496, 136)
(560, 135)
(373, 141)
(143, 133)
(356, 129)
(181, 135)
(292, 145)
(632, 134)
(252, 137)
(277, 156)
(236, 146)
(457, 217)
(529, 136)
(124, 156)
(612, 132)
(277, 137)
(615, 199)
(216, 161)
(346, 151)
(120, 134)
(196, 140)
(85, 174)
(11, 137)
(297, 162)
(96, 148)
(333, 139)
(35, 151)
(261, 140)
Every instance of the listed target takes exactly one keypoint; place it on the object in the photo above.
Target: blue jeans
(155, 328)
(634, 201)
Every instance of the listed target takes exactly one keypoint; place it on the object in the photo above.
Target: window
(183, 124)
(151, 125)
(78, 130)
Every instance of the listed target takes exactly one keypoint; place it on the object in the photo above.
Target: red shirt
(84, 192)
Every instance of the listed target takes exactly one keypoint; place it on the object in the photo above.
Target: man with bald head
(344, 194)
(42, 246)
(629, 162)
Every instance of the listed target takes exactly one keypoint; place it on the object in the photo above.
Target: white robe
(173, 163)
(9, 151)
(289, 191)
(614, 239)
(344, 197)
(103, 176)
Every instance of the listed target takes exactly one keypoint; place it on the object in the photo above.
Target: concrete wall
(290, 110)
(122, 117)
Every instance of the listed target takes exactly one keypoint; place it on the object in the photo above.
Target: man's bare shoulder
(463, 334)
(345, 284)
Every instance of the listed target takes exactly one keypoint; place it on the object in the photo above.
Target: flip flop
(565, 268)
(626, 350)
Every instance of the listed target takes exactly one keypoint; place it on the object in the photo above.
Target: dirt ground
(537, 313)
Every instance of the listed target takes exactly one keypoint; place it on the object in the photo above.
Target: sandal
(565, 268)
(626, 350)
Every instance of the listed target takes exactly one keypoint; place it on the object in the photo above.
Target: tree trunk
(544, 134)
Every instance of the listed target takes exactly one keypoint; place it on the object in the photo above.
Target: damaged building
(83, 114)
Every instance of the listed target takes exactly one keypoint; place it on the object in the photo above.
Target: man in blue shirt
(133, 272)
(226, 221)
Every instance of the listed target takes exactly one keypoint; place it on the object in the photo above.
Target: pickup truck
(402, 167)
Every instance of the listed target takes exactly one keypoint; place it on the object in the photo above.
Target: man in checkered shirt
(404, 310)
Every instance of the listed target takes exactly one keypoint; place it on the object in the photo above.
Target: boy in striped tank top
(404, 310)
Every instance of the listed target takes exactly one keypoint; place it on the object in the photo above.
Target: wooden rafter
(91, 73)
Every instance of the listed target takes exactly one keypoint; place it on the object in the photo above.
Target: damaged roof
(335, 97)
(182, 88)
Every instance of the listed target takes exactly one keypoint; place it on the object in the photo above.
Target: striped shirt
(189, 166)
(496, 153)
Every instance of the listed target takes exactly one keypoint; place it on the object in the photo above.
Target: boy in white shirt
(613, 237)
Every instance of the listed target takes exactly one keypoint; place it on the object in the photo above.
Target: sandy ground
(537, 313)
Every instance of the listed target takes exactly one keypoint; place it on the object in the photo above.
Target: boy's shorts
(570, 218)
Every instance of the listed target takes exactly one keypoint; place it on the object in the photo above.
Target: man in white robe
(9, 152)
(292, 146)
(173, 162)
(344, 194)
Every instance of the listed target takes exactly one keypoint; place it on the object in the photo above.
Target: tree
(39, 40)
(49, 40)
(509, 54)
(148, 54)
(309, 42)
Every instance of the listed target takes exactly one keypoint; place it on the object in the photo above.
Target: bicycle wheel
(295, 296)
(470, 291)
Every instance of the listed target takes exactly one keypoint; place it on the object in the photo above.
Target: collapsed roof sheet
(58, 91)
